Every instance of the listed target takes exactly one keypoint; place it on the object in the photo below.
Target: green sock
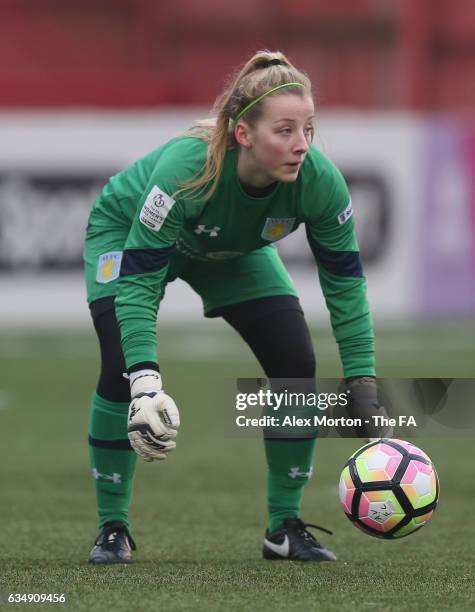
(289, 469)
(112, 459)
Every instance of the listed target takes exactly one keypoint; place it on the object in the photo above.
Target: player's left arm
(332, 238)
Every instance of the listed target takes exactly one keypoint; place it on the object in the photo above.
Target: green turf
(199, 518)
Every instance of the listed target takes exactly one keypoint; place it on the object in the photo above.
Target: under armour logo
(115, 477)
(213, 232)
(295, 471)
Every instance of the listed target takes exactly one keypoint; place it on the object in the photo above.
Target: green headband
(257, 100)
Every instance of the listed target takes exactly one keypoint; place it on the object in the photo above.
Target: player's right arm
(158, 220)
(145, 263)
(153, 416)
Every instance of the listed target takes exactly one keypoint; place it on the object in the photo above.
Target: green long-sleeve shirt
(142, 198)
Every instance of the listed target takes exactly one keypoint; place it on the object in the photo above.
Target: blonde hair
(264, 71)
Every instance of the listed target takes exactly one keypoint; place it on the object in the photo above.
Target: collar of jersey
(255, 199)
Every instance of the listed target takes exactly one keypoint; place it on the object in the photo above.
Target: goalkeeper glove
(153, 416)
(363, 404)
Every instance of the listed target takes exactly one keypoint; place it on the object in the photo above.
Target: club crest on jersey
(275, 229)
(212, 232)
(108, 267)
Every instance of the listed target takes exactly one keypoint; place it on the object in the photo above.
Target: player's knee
(289, 360)
(298, 362)
(112, 384)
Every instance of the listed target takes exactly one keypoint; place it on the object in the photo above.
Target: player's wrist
(146, 381)
(369, 377)
(143, 365)
(363, 389)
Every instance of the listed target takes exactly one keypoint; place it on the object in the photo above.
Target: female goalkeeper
(207, 208)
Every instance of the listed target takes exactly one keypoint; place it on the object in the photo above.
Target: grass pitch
(199, 518)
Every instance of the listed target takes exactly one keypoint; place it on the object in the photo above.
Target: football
(389, 488)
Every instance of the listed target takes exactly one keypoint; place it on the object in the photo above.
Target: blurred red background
(414, 54)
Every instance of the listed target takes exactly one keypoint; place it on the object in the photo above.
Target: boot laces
(115, 529)
(307, 536)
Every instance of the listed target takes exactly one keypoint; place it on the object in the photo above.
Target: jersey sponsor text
(346, 214)
(156, 208)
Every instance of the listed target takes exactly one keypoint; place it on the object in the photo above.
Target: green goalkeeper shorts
(256, 274)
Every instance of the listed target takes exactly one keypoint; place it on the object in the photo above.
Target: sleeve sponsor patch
(156, 208)
(346, 214)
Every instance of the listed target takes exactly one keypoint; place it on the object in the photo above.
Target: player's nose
(301, 144)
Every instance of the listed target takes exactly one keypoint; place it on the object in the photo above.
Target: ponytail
(266, 70)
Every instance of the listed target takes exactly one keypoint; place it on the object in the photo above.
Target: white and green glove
(153, 418)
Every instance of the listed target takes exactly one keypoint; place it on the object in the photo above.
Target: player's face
(279, 141)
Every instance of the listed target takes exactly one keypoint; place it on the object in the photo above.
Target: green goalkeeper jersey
(161, 224)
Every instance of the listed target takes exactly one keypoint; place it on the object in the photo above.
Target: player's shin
(289, 464)
(112, 459)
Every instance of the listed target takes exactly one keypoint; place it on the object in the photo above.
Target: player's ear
(242, 135)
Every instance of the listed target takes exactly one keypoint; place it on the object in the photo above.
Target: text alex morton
(323, 421)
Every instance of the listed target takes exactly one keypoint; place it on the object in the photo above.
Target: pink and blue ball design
(389, 488)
